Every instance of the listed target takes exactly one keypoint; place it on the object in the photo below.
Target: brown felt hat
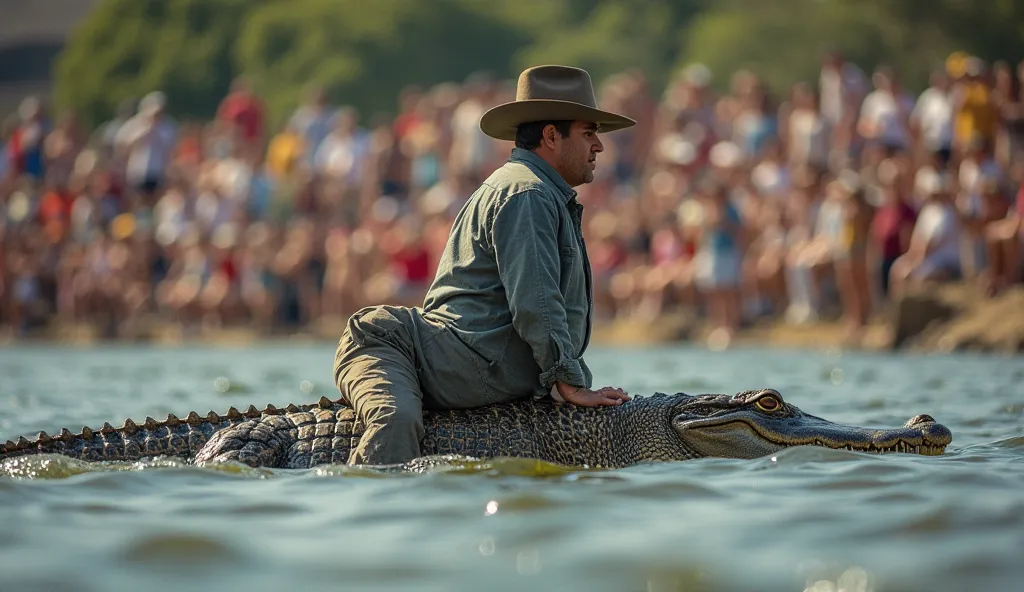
(548, 93)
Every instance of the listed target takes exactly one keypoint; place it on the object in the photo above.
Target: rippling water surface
(807, 518)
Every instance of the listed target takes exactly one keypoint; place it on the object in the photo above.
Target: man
(244, 111)
(147, 142)
(508, 314)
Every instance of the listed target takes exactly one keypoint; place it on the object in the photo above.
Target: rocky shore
(947, 318)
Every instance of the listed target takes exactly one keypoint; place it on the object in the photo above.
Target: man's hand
(606, 396)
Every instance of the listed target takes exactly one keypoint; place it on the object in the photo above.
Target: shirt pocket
(569, 261)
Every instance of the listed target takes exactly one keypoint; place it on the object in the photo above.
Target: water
(807, 518)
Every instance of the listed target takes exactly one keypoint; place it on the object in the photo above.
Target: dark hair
(528, 134)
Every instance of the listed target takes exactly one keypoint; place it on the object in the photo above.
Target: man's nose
(598, 144)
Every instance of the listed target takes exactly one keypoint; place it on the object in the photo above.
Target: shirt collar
(541, 167)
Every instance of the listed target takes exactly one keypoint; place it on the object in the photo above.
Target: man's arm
(524, 236)
(525, 240)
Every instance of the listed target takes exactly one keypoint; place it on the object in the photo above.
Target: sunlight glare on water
(801, 519)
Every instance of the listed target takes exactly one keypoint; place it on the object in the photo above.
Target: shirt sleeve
(525, 240)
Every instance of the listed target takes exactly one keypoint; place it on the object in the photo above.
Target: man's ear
(550, 133)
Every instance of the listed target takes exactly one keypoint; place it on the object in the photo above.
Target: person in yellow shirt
(974, 112)
(284, 152)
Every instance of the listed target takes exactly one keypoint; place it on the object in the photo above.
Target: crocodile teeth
(10, 445)
(292, 408)
(193, 418)
(212, 417)
(270, 410)
(87, 433)
(129, 426)
(324, 403)
(234, 413)
(151, 423)
(252, 411)
(65, 435)
(43, 438)
(172, 420)
(107, 428)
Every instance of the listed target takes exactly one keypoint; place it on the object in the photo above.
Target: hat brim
(500, 122)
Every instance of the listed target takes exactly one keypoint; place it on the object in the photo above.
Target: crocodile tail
(133, 441)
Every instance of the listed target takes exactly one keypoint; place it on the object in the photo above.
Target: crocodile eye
(768, 403)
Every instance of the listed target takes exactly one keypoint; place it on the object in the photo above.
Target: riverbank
(941, 319)
(954, 317)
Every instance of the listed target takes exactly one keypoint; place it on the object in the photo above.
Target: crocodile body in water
(659, 428)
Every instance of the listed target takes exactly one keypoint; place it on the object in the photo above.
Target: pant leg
(375, 372)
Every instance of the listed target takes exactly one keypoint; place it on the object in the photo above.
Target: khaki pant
(375, 371)
(392, 363)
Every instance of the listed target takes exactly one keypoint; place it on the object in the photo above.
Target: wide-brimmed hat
(550, 93)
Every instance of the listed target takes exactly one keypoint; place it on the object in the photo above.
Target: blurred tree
(364, 57)
(783, 40)
(363, 52)
(127, 48)
(609, 37)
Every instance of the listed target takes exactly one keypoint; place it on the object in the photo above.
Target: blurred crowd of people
(821, 200)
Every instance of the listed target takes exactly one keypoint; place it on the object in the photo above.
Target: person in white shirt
(932, 118)
(841, 87)
(341, 155)
(883, 115)
(147, 141)
(470, 149)
(934, 252)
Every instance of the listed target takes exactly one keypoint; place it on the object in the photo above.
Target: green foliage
(127, 48)
(609, 37)
(783, 39)
(363, 52)
(364, 57)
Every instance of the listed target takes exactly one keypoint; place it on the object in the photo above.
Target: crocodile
(661, 427)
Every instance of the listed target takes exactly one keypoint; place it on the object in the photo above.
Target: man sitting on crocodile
(508, 315)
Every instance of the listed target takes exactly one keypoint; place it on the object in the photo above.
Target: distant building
(32, 33)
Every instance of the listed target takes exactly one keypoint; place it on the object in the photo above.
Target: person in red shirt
(409, 262)
(55, 210)
(245, 111)
(891, 227)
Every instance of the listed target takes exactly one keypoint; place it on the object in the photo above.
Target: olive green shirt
(511, 303)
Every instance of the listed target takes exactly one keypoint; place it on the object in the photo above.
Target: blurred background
(198, 167)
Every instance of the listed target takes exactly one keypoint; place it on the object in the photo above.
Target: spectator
(313, 121)
(973, 109)
(1004, 240)
(806, 132)
(932, 118)
(934, 252)
(147, 140)
(851, 255)
(25, 146)
(106, 135)
(884, 114)
(718, 259)
(891, 226)
(242, 109)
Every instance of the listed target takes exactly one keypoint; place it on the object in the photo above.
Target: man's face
(577, 154)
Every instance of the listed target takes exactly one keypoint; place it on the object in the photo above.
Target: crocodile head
(756, 423)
